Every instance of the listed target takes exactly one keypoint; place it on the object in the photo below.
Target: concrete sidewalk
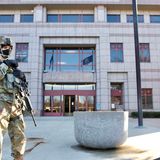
(53, 139)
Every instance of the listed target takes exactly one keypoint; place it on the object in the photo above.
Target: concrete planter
(101, 129)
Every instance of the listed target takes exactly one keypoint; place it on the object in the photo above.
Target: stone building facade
(79, 55)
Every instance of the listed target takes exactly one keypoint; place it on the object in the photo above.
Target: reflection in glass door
(57, 104)
(117, 96)
(53, 105)
(47, 104)
(69, 104)
(86, 103)
(82, 103)
(90, 103)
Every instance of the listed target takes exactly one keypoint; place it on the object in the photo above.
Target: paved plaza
(53, 139)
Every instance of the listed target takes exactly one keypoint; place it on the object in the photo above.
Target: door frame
(69, 103)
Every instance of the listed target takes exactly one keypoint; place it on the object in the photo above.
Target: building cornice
(102, 2)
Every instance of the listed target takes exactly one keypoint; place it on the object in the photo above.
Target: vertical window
(87, 58)
(113, 18)
(47, 103)
(6, 18)
(22, 52)
(147, 102)
(154, 18)
(116, 52)
(144, 52)
(26, 18)
(90, 103)
(117, 95)
(130, 18)
(52, 18)
(50, 57)
(82, 103)
(57, 104)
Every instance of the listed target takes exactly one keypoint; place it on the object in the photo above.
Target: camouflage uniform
(11, 117)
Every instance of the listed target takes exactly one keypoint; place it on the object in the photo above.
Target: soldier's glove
(11, 63)
(19, 74)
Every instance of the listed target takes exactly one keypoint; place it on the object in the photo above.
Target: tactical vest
(6, 88)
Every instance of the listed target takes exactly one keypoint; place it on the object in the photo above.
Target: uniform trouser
(12, 120)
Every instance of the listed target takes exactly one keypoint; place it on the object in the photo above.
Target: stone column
(100, 13)
(39, 14)
(101, 71)
(44, 14)
(123, 17)
(17, 17)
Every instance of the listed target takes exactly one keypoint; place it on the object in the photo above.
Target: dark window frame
(113, 60)
(142, 47)
(155, 20)
(81, 18)
(140, 18)
(70, 18)
(22, 56)
(11, 16)
(23, 18)
(85, 57)
(147, 96)
(88, 15)
(50, 16)
(117, 95)
(113, 18)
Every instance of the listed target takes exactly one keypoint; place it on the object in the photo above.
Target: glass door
(57, 104)
(52, 106)
(117, 96)
(69, 105)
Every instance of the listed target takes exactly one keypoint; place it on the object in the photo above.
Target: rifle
(24, 94)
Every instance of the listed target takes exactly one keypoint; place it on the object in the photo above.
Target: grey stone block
(101, 129)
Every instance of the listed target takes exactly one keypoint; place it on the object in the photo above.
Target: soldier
(11, 117)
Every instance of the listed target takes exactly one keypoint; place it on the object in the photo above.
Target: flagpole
(137, 58)
(52, 59)
(92, 60)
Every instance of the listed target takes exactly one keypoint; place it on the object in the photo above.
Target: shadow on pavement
(33, 143)
(128, 152)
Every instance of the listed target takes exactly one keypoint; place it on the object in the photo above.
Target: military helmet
(5, 41)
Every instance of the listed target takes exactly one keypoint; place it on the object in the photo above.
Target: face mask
(5, 53)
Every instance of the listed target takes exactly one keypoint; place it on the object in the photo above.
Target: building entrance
(69, 104)
(64, 99)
